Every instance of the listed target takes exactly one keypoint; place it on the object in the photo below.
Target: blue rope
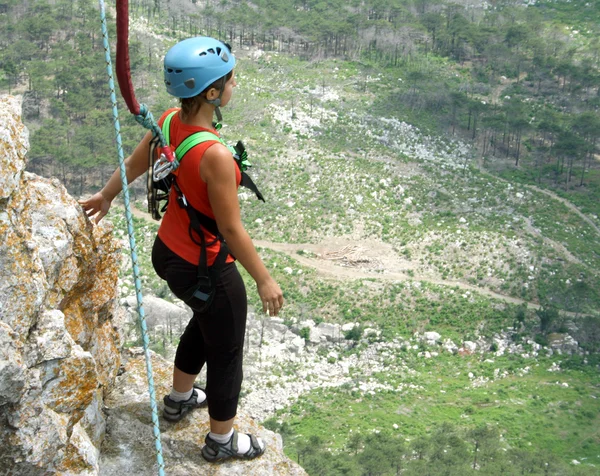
(134, 259)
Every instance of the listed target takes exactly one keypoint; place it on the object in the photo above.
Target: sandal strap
(230, 448)
(195, 392)
(184, 403)
(215, 451)
(254, 442)
(234, 441)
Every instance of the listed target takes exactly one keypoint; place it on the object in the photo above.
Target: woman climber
(200, 72)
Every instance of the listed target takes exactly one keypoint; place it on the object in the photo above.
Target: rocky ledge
(129, 444)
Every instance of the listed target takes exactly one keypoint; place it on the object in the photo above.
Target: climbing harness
(200, 294)
(158, 189)
(145, 118)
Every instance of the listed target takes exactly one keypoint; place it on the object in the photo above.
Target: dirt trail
(550, 194)
(568, 204)
(389, 267)
(393, 269)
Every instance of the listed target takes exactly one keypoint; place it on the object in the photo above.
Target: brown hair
(190, 106)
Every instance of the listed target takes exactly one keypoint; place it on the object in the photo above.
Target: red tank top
(174, 227)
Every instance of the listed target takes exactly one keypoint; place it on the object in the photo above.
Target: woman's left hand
(270, 296)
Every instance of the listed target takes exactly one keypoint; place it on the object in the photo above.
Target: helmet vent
(190, 83)
(220, 52)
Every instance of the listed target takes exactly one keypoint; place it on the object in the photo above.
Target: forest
(520, 82)
(517, 81)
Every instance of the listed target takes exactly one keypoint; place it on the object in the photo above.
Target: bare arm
(135, 165)
(217, 169)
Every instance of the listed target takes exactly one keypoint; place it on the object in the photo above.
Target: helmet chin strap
(219, 115)
(217, 102)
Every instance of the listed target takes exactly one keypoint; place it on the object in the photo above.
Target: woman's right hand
(97, 205)
(270, 296)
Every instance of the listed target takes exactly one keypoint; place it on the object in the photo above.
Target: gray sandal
(175, 411)
(213, 451)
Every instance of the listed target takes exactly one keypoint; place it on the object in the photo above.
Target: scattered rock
(432, 337)
(470, 346)
(563, 343)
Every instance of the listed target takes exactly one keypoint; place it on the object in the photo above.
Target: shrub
(163, 291)
(548, 315)
(354, 334)
(541, 340)
(305, 333)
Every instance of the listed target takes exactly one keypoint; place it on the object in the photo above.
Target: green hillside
(457, 144)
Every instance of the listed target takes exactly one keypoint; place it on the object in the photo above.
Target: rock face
(59, 344)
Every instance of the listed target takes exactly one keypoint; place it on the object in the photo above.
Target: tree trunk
(485, 142)
(585, 159)
(569, 172)
(518, 148)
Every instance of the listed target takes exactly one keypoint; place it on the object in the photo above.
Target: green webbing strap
(196, 138)
(190, 141)
(193, 140)
(166, 128)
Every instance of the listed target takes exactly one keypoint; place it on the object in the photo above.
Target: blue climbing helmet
(194, 64)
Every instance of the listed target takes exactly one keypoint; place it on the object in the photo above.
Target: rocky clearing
(333, 259)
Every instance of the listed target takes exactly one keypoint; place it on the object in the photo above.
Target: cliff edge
(71, 402)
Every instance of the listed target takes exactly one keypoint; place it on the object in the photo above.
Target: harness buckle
(181, 200)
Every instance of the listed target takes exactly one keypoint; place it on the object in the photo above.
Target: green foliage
(548, 316)
(354, 334)
(521, 415)
(305, 333)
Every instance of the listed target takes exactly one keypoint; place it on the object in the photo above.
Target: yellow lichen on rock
(60, 346)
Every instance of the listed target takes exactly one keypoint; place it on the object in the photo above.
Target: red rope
(122, 68)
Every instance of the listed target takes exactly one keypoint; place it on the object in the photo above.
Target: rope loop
(146, 119)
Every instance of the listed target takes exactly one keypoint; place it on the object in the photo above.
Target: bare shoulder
(218, 152)
(217, 160)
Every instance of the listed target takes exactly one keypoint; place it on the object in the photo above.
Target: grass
(531, 406)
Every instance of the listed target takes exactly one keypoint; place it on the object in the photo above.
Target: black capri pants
(214, 336)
